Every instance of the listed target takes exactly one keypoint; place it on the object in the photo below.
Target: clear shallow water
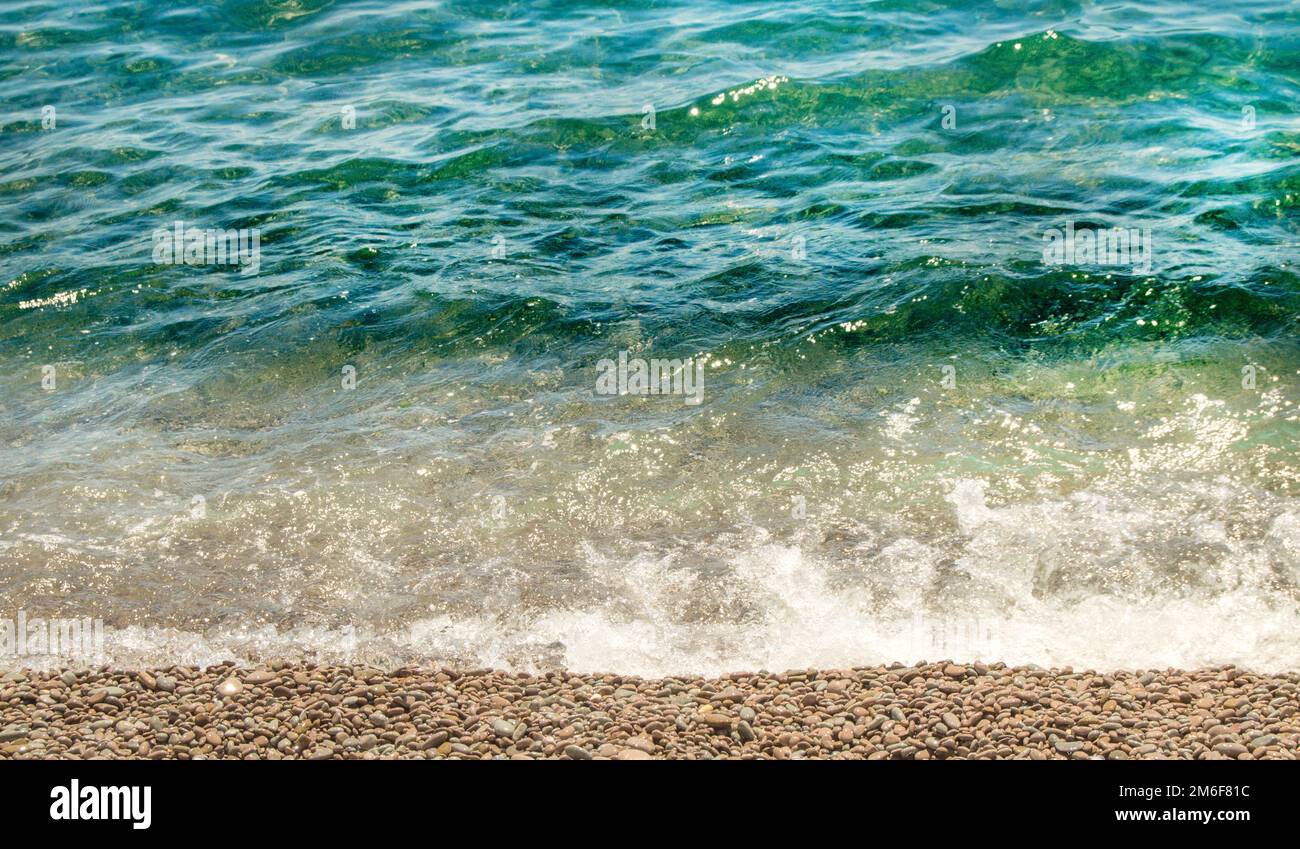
(1094, 482)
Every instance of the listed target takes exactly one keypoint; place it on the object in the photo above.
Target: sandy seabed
(934, 711)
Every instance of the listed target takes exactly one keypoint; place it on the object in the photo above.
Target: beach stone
(717, 720)
(643, 744)
(903, 713)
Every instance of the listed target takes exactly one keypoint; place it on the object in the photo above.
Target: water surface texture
(918, 438)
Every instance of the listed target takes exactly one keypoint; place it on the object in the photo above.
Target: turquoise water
(919, 435)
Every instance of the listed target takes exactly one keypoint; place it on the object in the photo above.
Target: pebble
(717, 720)
(14, 732)
(642, 744)
(938, 711)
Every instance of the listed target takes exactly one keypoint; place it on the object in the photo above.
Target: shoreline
(933, 711)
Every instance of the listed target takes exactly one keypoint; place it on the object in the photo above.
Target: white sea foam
(934, 536)
(799, 617)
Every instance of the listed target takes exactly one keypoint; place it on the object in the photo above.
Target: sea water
(993, 308)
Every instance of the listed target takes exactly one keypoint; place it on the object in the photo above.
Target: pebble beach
(568, 363)
(935, 711)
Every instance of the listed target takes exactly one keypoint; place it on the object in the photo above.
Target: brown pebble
(937, 711)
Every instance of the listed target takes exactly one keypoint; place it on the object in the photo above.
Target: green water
(917, 436)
